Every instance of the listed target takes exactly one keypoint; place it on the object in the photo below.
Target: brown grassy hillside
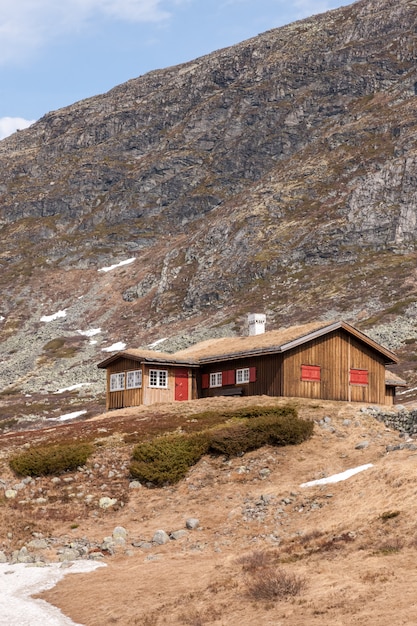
(349, 546)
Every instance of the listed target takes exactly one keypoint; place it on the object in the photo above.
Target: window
(358, 377)
(311, 373)
(134, 379)
(242, 376)
(158, 378)
(216, 379)
(117, 382)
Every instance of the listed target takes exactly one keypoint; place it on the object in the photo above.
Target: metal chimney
(256, 323)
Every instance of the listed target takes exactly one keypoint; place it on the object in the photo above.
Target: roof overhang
(163, 360)
(389, 357)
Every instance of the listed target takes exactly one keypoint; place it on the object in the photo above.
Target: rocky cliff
(277, 175)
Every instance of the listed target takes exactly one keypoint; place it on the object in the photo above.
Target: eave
(389, 357)
(154, 360)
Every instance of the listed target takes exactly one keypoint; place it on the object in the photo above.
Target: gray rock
(362, 445)
(23, 556)
(160, 537)
(119, 533)
(192, 523)
(106, 502)
(68, 554)
(264, 473)
(3, 557)
(178, 534)
(134, 484)
(38, 544)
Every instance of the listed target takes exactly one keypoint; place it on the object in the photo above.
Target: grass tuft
(274, 584)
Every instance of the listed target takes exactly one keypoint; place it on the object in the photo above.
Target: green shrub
(250, 434)
(263, 411)
(166, 460)
(234, 439)
(282, 430)
(51, 459)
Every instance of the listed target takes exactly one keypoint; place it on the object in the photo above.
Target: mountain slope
(276, 175)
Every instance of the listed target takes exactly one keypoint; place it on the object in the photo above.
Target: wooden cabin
(137, 377)
(319, 360)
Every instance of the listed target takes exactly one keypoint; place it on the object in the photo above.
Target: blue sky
(56, 52)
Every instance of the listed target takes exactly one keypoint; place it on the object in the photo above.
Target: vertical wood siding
(268, 376)
(336, 354)
(127, 397)
(151, 395)
(276, 375)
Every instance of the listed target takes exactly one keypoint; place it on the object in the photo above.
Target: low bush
(274, 584)
(51, 459)
(263, 411)
(281, 430)
(166, 460)
(233, 439)
(252, 433)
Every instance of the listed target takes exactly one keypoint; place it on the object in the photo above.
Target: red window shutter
(252, 374)
(205, 381)
(311, 373)
(228, 377)
(358, 377)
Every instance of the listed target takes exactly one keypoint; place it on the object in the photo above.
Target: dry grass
(274, 584)
(349, 534)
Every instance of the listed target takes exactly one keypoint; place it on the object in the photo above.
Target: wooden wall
(145, 394)
(268, 376)
(127, 397)
(276, 375)
(336, 354)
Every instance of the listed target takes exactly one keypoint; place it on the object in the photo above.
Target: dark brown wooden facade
(333, 362)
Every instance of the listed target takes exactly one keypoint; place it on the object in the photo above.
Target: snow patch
(337, 477)
(70, 416)
(54, 316)
(90, 332)
(401, 393)
(113, 267)
(115, 347)
(19, 582)
(157, 342)
(71, 388)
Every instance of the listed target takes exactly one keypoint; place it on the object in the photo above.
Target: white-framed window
(117, 381)
(242, 376)
(158, 378)
(216, 379)
(134, 379)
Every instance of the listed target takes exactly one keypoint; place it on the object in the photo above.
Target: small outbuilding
(321, 360)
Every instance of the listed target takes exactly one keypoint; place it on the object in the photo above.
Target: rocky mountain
(278, 175)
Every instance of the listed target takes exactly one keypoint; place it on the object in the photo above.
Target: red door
(181, 384)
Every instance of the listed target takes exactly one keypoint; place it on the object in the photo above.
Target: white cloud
(9, 125)
(27, 25)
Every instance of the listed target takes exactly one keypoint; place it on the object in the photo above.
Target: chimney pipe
(256, 322)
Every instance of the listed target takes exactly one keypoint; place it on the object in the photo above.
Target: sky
(56, 52)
